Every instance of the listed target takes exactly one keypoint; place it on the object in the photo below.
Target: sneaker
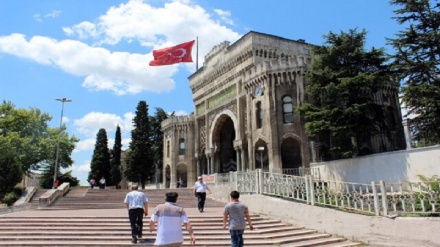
(134, 240)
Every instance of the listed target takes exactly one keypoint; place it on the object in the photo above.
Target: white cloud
(90, 124)
(85, 167)
(225, 16)
(135, 21)
(180, 113)
(53, 14)
(85, 145)
(120, 72)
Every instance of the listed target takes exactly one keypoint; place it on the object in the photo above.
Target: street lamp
(62, 100)
(261, 149)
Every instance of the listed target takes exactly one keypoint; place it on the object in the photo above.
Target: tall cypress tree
(341, 85)
(157, 138)
(139, 159)
(418, 59)
(115, 163)
(100, 165)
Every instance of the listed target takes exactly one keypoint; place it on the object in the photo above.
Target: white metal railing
(376, 198)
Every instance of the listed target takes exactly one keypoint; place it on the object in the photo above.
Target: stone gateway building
(245, 97)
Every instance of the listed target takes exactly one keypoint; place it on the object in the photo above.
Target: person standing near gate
(200, 189)
(137, 205)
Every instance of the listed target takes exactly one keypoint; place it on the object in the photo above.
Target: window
(287, 109)
(181, 146)
(168, 149)
(259, 116)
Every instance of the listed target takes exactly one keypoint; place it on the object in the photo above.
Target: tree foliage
(340, 84)
(11, 172)
(67, 144)
(115, 162)
(157, 138)
(100, 165)
(28, 142)
(139, 159)
(417, 58)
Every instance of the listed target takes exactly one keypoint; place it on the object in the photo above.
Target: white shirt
(135, 199)
(200, 187)
(169, 218)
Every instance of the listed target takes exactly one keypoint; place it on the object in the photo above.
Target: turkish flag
(171, 55)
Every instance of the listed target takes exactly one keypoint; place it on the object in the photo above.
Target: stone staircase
(87, 217)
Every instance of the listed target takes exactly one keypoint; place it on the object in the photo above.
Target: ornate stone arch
(182, 173)
(223, 132)
(261, 156)
(217, 123)
(290, 151)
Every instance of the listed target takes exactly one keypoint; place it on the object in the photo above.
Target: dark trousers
(136, 216)
(201, 197)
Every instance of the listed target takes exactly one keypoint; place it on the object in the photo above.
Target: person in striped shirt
(236, 213)
(169, 218)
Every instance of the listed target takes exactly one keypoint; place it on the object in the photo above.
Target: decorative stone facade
(244, 97)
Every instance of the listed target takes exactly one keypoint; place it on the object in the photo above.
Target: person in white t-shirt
(137, 204)
(169, 218)
(200, 189)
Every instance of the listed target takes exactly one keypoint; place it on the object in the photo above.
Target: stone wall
(398, 166)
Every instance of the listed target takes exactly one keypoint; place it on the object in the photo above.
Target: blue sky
(96, 53)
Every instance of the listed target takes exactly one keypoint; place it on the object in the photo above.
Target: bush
(10, 198)
(18, 191)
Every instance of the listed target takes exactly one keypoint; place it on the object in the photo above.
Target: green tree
(340, 84)
(417, 58)
(67, 145)
(157, 138)
(26, 130)
(31, 143)
(11, 172)
(139, 159)
(100, 165)
(115, 162)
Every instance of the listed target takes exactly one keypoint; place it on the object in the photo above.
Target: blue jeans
(236, 238)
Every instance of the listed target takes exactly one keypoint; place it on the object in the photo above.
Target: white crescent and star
(179, 49)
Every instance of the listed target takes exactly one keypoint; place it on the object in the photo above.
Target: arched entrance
(181, 176)
(261, 156)
(203, 164)
(291, 153)
(225, 157)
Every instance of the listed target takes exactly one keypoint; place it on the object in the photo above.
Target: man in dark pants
(137, 205)
(200, 189)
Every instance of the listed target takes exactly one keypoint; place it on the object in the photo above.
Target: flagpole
(197, 53)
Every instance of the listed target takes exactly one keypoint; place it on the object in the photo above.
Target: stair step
(85, 217)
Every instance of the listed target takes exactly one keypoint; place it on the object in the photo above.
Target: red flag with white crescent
(177, 54)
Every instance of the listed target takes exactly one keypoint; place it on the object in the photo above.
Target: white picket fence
(376, 198)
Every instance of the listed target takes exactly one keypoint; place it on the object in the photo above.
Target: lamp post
(261, 149)
(62, 100)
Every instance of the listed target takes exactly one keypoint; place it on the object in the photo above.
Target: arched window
(259, 116)
(287, 109)
(181, 146)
